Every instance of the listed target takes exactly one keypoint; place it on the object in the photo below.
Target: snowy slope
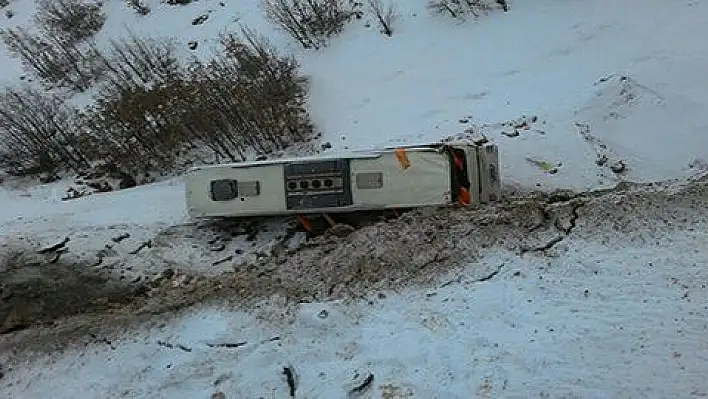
(543, 58)
(600, 317)
(595, 321)
(562, 61)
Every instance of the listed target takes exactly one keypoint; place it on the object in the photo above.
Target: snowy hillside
(595, 296)
(562, 61)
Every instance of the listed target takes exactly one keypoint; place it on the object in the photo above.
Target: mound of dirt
(418, 248)
(35, 290)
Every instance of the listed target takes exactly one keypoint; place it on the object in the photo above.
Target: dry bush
(134, 120)
(152, 110)
(62, 53)
(137, 62)
(311, 22)
(56, 61)
(258, 96)
(38, 132)
(70, 20)
(138, 129)
(462, 8)
(139, 6)
(384, 14)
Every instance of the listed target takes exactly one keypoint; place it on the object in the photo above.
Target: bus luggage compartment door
(317, 184)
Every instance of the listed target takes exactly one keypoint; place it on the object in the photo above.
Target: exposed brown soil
(46, 304)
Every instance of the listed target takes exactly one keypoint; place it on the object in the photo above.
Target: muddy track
(48, 303)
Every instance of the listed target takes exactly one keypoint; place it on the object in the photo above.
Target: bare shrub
(384, 14)
(38, 132)
(61, 54)
(56, 61)
(461, 8)
(311, 22)
(72, 20)
(151, 112)
(139, 6)
(134, 61)
(150, 109)
(260, 94)
(135, 120)
(137, 128)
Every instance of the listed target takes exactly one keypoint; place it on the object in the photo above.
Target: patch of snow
(92, 222)
(599, 321)
(22, 12)
(416, 86)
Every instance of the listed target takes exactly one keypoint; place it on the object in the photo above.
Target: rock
(618, 167)
(510, 132)
(522, 125)
(222, 260)
(221, 378)
(167, 274)
(561, 195)
(48, 178)
(479, 139)
(325, 146)
(126, 181)
(601, 160)
(200, 19)
(120, 237)
(341, 230)
(192, 45)
(698, 164)
(72, 193)
(101, 186)
(54, 247)
(217, 247)
(14, 321)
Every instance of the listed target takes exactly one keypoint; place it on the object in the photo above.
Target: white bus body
(400, 177)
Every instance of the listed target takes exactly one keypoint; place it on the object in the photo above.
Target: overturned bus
(438, 174)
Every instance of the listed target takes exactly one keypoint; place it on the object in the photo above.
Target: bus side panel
(490, 179)
(473, 174)
(269, 198)
(384, 182)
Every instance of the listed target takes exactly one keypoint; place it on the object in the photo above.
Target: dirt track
(45, 305)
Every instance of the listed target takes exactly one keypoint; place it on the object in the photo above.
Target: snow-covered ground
(562, 61)
(591, 320)
(614, 81)
(598, 82)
